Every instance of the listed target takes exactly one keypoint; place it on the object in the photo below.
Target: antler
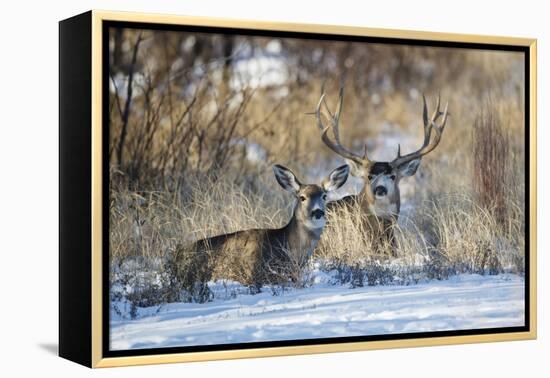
(429, 125)
(334, 119)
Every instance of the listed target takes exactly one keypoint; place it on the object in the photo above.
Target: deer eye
(371, 177)
(392, 177)
(302, 198)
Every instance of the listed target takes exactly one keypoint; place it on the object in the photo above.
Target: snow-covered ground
(325, 310)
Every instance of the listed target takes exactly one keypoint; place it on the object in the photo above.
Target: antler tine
(437, 112)
(430, 124)
(438, 130)
(445, 115)
(340, 103)
(335, 145)
(427, 121)
(318, 113)
(424, 111)
(336, 116)
(435, 115)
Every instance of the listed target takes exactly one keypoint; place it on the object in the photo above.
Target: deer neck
(301, 238)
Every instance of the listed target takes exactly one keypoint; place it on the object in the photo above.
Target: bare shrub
(189, 272)
(491, 152)
(139, 282)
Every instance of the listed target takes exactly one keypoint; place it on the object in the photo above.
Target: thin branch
(127, 106)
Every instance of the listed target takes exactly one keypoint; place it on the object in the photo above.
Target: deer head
(381, 178)
(311, 198)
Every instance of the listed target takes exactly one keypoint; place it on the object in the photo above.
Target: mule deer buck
(380, 199)
(259, 256)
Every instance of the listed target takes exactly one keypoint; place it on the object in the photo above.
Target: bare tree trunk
(127, 105)
(117, 49)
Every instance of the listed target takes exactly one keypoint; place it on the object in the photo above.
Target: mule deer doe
(380, 199)
(259, 256)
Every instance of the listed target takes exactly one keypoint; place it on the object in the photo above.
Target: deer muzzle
(317, 214)
(380, 191)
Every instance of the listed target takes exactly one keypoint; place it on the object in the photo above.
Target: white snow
(258, 71)
(255, 153)
(255, 67)
(325, 310)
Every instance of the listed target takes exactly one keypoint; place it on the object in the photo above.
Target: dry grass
(447, 235)
(469, 238)
(152, 223)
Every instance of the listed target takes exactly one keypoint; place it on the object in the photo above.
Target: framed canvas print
(235, 189)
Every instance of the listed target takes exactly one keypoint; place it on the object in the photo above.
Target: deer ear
(410, 168)
(356, 170)
(337, 178)
(286, 178)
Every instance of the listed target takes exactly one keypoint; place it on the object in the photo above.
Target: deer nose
(317, 213)
(380, 191)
